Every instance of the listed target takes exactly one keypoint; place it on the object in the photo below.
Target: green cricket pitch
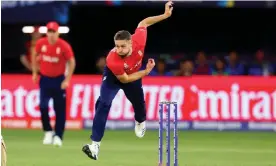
(123, 148)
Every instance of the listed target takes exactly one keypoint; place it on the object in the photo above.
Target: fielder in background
(25, 57)
(122, 72)
(54, 53)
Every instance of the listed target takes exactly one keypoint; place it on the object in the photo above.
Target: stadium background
(243, 102)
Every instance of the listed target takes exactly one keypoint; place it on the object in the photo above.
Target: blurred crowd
(199, 64)
(202, 64)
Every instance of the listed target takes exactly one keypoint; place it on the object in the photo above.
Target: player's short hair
(122, 35)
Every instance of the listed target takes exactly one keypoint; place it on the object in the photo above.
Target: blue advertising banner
(185, 3)
(42, 11)
(192, 125)
(34, 11)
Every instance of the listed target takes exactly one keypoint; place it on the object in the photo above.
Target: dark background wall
(189, 30)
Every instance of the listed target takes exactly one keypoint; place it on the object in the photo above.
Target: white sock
(49, 132)
(97, 143)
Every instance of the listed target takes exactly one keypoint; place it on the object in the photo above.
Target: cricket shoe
(92, 150)
(140, 129)
(48, 138)
(57, 141)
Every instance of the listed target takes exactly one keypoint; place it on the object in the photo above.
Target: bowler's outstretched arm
(155, 19)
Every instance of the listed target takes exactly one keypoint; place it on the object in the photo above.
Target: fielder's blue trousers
(50, 87)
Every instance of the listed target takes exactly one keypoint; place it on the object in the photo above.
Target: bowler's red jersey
(132, 63)
(53, 58)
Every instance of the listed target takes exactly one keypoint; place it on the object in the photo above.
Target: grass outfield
(122, 148)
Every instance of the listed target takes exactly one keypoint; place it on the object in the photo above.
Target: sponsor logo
(216, 125)
(50, 59)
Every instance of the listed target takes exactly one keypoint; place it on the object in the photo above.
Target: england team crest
(126, 66)
(58, 50)
(43, 48)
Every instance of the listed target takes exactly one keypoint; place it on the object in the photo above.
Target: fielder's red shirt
(132, 63)
(53, 58)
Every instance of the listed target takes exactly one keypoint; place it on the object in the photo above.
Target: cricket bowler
(122, 72)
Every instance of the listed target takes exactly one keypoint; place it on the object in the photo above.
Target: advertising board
(203, 102)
